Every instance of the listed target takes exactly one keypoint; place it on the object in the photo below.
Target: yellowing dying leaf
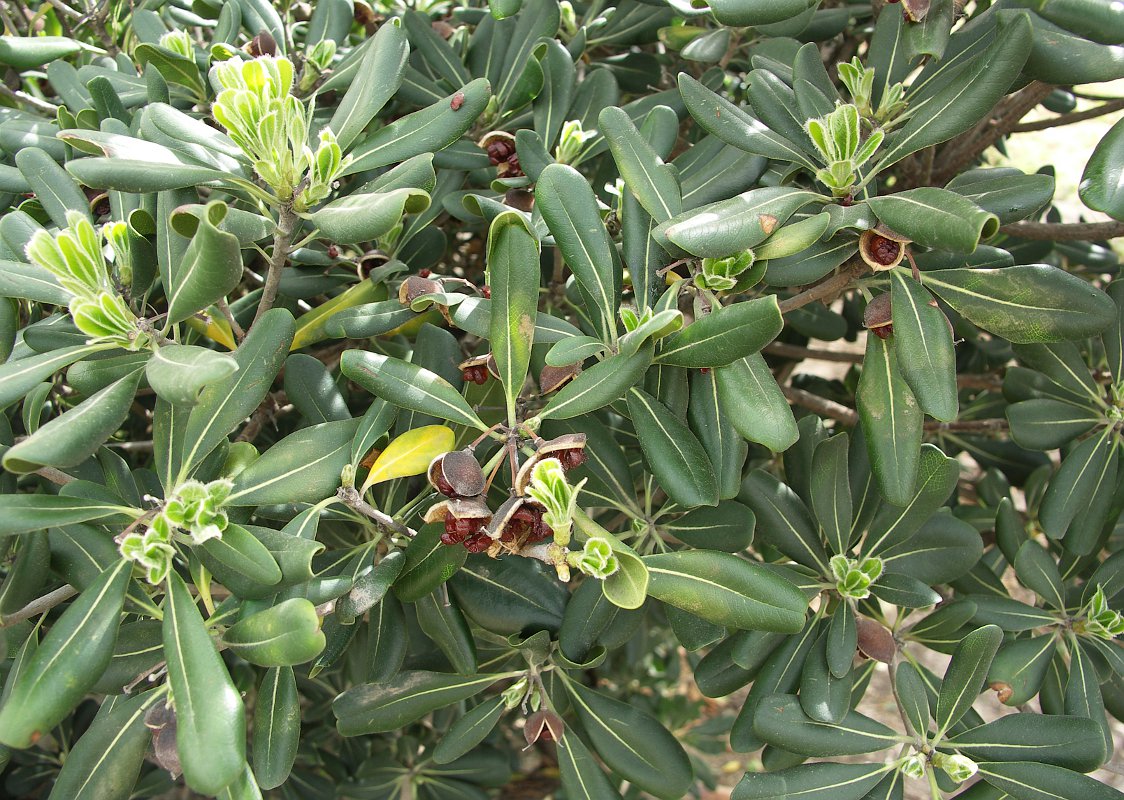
(410, 454)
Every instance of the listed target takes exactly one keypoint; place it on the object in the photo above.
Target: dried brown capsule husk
(569, 449)
(520, 199)
(1003, 691)
(876, 641)
(457, 474)
(500, 147)
(878, 317)
(504, 514)
(881, 248)
(262, 45)
(459, 508)
(414, 287)
(478, 368)
(161, 720)
(464, 518)
(551, 379)
(544, 725)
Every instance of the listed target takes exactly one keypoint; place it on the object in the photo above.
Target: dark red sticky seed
(457, 101)
(883, 331)
(500, 150)
(541, 530)
(333, 251)
(459, 530)
(477, 374)
(486, 291)
(424, 273)
(572, 458)
(885, 251)
(521, 524)
(444, 487)
(704, 370)
(478, 543)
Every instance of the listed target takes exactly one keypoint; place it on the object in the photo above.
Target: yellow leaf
(410, 454)
(216, 328)
(310, 326)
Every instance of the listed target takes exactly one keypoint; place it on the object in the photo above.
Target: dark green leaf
(210, 717)
(372, 708)
(965, 675)
(723, 336)
(408, 386)
(222, 407)
(726, 590)
(513, 269)
(923, 344)
(676, 458)
(892, 420)
(67, 663)
(633, 743)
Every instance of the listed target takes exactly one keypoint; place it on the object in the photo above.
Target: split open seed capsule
(519, 521)
(478, 368)
(464, 518)
(569, 448)
(457, 474)
(414, 287)
(545, 725)
(551, 379)
(881, 248)
(877, 317)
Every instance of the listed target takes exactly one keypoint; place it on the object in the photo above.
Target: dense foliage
(385, 389)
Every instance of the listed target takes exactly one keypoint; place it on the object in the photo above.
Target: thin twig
(996, 425)
(133, 447)
(56, 476)
(966, 148)
(827, 290)
(351, 498)
(271, 405)
(821, 405)
(282, 239)
(235, 328)
(26, 99)
(795, 352)
(1064, 231)
(40, 605)
(1070, 118)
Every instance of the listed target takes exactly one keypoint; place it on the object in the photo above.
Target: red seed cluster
(527, 525)
(885, 251)
(519, 521)
(501, 153)
(477, 374)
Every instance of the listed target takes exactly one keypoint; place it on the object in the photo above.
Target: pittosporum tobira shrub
(400, 398)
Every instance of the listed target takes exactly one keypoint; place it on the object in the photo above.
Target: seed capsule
(464, 517)
(552, 379)
(414, 287)
(519, 521)
(569, 449)
(500, 147)
(262, 45)
(1003, 691)
(881, 248)
(878, 317)
(876, 641)
(545, 725)
(457, 474)
(478, 368)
